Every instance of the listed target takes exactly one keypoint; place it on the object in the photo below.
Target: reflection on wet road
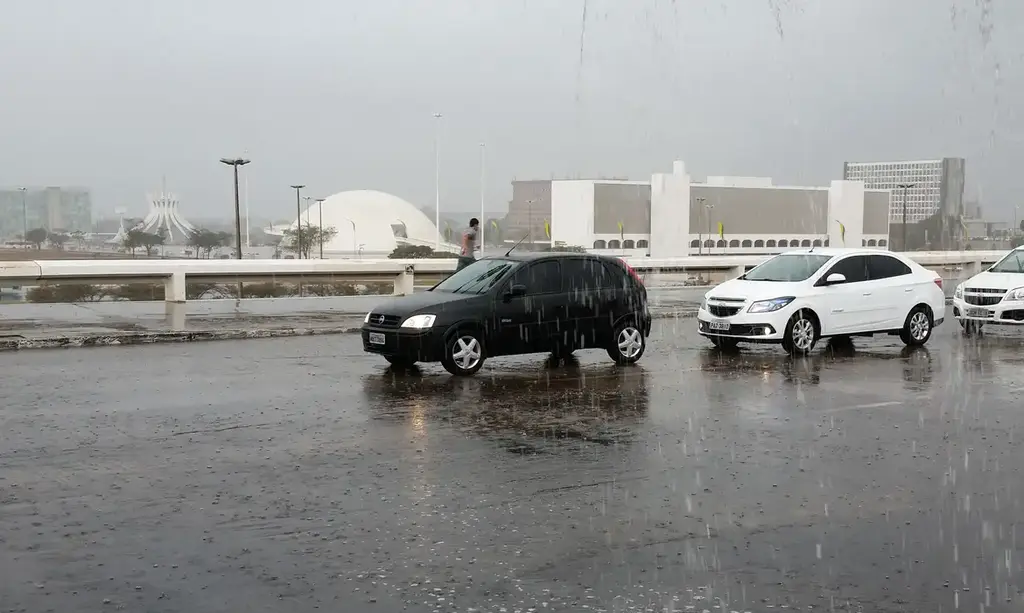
(300, 474)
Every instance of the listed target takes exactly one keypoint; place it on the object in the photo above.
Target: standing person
(468, 256)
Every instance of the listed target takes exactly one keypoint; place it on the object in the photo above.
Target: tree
(136, 239)
(205, 241)
(311, 239)
(1022, 225)
(79, 237)
(58, 239)
(36, 236)
(415, 252)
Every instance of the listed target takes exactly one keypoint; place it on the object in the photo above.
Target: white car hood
(756, 290)
(996, 280)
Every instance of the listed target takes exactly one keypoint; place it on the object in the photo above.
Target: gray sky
(339, 94)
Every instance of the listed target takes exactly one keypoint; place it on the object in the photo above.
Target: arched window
(817, 242)
(863, 242)
(872, 243)
(628, 244)
(734, 243)
(642, 244)
(770, 244)
(599, 244)
(883, 243)
(721, 244)
(709, 243)
(695, 244)
(759, 244)
(805, 243)
(783, 243)
(794, 242)
(614, 244)
(747, 243)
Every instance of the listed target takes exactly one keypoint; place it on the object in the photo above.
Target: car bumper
(750, 327)
(411, 344)
(1002, 313)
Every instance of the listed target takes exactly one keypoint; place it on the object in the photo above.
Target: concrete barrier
(176, 273)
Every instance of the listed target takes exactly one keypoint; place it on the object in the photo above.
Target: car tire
(970, 327)
(917, 328)
(723, 343)
(464, 353)
(628, 343)
(802, 332)
(399, 362)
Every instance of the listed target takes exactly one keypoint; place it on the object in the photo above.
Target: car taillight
(634, 274)
(938, 281)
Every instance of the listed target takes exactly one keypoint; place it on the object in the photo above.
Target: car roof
(529, 256)
(837, 251)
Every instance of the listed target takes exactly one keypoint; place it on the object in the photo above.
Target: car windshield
(788, 267)
(476, 278)
(1013, 262)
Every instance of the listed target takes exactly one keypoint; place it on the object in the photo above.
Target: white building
(369, 223)
(672, 215)
(932, 185)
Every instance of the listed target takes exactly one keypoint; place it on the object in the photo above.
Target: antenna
(509, 252)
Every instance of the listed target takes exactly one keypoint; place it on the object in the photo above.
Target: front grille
(723, 311)
(720, 299)
(390, 321)
(985, 290)
(982, 300)
(739, 330)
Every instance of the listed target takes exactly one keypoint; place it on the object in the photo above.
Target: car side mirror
(835, 279)
(515, 291)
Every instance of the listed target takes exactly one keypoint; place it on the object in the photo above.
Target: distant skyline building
(52, 208)
(938, 185)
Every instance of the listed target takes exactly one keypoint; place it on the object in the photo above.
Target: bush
(198, 291)
(413, 252)
(66, 293)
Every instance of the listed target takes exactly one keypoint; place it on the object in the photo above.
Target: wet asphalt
(301, 475)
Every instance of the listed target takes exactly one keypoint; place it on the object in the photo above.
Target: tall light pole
(483, 221)
(320, 211)
(24, 215)
(437, 180)
(355, 246)
(708, 208)
(235, 163)
(298, 220)
(307, 200)
(905, 187)
(700, 239)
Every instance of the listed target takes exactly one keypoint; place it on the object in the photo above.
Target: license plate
(376, 338)
(978, 312)
(718, 325)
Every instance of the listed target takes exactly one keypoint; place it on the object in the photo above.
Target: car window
(585, 275)
(539, 278)
(788, 268)
(476, 278)
(1013, 262)
(885, 267)
(854, 268)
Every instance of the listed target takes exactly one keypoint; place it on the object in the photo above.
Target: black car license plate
(376, 338)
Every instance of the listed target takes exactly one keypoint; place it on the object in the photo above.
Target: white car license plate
(718, 325)
(376, 338)
(977, 312)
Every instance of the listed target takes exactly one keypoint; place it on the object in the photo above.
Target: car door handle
(866, 294)
(908, 289)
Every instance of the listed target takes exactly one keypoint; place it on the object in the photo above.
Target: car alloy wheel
(466, 352)
(803, 334)
(630, 342)
(920, 326)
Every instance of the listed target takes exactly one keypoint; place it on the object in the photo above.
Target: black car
(515, 304)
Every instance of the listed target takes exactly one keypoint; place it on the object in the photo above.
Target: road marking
(857, 407)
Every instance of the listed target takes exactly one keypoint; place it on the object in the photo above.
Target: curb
(150, 338)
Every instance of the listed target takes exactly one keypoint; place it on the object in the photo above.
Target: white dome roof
(366, 217)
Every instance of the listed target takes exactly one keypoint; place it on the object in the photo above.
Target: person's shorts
(464, 261)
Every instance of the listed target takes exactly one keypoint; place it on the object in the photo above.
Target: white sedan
(995, 296)
(798, 297)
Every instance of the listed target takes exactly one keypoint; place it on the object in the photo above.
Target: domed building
(370, 223)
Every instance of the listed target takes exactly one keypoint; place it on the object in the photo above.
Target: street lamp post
(700, 239)
(24, 215)
(235, 163)
(437, 180)
(905, 187)
(298, 219)
(708, 208)
(320, 212)
(483, 221)
(355, 247)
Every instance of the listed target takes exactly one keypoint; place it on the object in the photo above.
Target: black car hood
(419, 301)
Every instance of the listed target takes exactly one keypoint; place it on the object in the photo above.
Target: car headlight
(366, 319)
(703, 304)
(959, 291)
(1015, 294)
(767, 306)
(419, 321)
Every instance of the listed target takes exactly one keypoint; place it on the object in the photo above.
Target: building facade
(933, 186)
(52, 208)
(672, 215)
